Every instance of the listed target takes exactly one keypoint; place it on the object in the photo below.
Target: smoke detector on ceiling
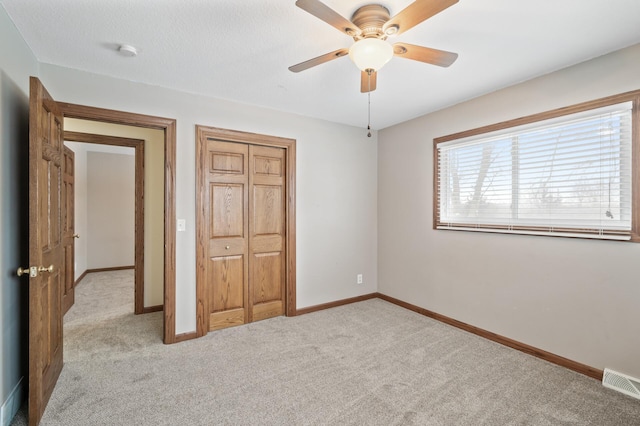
(128, 50)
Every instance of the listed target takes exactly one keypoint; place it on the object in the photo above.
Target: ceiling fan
(370, 26)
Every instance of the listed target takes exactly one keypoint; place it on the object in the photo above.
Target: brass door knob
(23, 271)
(33, 270)
(43, 269)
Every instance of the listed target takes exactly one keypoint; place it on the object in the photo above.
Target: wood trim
(632, 96)
(290, 303)
(202, 316)
(436, 187)
(336, 303)
(112, 268)
(170, 233)
(635, 170)
(82, 275)
(558, 112)
(138, 146)
(186, 336)
(522, 347)
(149, 309)
(70, 136)
(84, 112)
(168, 125)
(202, 134)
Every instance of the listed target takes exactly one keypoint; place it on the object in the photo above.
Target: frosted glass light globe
(370, 53)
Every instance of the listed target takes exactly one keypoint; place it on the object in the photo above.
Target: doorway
(109, 211)
(168, 127)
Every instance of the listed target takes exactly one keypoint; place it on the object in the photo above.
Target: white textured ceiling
(240, 49)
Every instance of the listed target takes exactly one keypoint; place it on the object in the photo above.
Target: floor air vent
(621, 382)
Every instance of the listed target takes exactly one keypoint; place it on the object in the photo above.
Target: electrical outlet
(182, 225)
(359, 278)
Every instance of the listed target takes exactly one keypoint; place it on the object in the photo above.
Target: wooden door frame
(138, 146)
(203, 133)
(168, 126)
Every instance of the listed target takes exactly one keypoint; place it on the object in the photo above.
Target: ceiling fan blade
(319, 60)
(368, 84)
(441, 58)
(416, 12)
(328, 15)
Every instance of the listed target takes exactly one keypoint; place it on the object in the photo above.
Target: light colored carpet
(368, 363)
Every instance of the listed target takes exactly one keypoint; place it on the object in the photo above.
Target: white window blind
(568, 176)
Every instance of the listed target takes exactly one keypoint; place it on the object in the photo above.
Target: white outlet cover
(182, 225)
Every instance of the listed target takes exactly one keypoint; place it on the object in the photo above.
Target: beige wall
(153, 198)
(110, 210)
(575, 298)
(336, 193)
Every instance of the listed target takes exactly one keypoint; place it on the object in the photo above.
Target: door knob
(33, 270)
(43, 269)
(76, 236)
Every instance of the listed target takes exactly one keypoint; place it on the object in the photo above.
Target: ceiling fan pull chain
(369, 104)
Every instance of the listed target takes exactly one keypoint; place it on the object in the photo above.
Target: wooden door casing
(68, 219)
(270, 244)
(45, 247)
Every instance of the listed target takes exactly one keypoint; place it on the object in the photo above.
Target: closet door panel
(266, 232)
(227, 231)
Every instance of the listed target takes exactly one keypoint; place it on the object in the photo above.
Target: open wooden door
(45, 248)
(68, 229)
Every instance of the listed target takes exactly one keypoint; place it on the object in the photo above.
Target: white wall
(336, 177)
(104, 206)
(80, 206)
(575, 298)
(17, 63)
(110, 210)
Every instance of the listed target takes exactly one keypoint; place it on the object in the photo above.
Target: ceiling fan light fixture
(370, 53)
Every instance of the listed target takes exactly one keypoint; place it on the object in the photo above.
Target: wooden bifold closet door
(244, 230)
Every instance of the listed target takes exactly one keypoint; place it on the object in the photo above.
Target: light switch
(182, 225)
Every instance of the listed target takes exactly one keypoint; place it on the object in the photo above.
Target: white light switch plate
(182, 225)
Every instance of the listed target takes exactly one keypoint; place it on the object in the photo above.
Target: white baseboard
(11, 406)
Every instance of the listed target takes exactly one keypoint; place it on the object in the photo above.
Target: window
(567, 172)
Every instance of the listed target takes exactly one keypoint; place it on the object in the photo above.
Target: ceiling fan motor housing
(370, 19)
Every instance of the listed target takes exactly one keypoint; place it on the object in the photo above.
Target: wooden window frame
(633, 97)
